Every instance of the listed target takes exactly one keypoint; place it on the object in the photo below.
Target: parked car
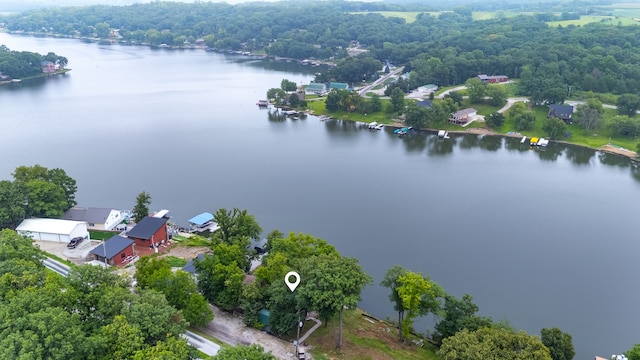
(74, 242)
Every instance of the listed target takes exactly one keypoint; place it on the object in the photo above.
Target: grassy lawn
(175, 261)
(587, 19)
(408, 16)
(382, 117)
(364, 340)
(192, 241)
(102, 235)
(66, 262)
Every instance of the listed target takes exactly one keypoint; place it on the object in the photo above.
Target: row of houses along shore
(129, 240)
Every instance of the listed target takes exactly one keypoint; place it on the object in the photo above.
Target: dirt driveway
(231, 330)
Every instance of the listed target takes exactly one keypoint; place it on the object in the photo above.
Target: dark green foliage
(555, 128)
(46, 192)
(12, 209)
(460, 314)
(416, 116)
(495, 120)
(560, 344)
(397, 100)
(455, 96)
(141, 208)
(525, 121)
(253, 352)
(622, 125)
(20, 64)
(628, 104)
(288, 85)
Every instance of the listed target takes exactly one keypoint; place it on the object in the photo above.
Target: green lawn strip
(408, 16)
(195, 241)
(102, 235)
(175, 261)
(624, 20)
(179, 238)
(66, 262)
(426, 352)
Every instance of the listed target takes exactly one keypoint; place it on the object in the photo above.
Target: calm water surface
(541, 239)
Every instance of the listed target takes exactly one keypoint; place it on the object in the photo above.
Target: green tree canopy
(493, 343)
(253, 352)
(459, 314)
(560, 344)
(141, 208)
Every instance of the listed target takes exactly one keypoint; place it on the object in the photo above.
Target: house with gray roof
(562, 112)
(316, 89)
(115, 251)
(96, 218)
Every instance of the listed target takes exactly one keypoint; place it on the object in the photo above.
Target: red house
(493, 79)
(149, 232)
(115, 251)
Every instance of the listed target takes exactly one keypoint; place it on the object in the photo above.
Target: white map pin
(292, 285)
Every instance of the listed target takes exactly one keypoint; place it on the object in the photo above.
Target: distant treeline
(444, 50)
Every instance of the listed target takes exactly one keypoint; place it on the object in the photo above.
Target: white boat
(379, 127)
(543, 142)
(373, 125)
(443, 134)
(524, 138)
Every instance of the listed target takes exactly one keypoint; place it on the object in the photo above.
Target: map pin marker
(292, 285)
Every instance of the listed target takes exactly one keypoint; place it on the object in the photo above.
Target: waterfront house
(315, 89)
(114, 251)
(149, 232)
(48, 67)
(55, 230)
(562, 112)
(493, 79)
(463, 116)
(96, 218)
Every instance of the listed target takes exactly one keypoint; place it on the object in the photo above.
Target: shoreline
(607, 148)
(43, 75)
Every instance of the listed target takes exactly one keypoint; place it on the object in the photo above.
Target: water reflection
(469, 141)
(613, 159)
(440, 146)
(343, 128)
(416, 141)
(276, 116)
(514, 144)
(549, 153)
(579, 155)
(491, 143)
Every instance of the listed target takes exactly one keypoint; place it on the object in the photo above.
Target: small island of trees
(26, 64)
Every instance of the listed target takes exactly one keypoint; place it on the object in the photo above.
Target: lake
(539, 238)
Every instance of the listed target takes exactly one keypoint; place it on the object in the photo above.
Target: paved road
(364, 90)
(206, 346)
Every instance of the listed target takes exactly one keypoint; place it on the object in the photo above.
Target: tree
(495, 120)
(375, 103)
(294, 100)
(492, 343)
(628, 104)
(253, 352)
(476, 90)
(287, 85)
(419, 296)
(121, 340)
(622, 125)
(12, 205)
(178, 287)
(102, 30)
(634, 353)
(171, 348)
(416, 116)
(391, 281)
(332, 102)
(397, 99)
(498, 94)
(220, 283)
(276, 94)
(559, 343)
(589, 116)
(555, 128)
(48, 192)
(459, 314)
(236, 225)
(150, 311)
(141, 209)
(331, 284)
(455, 96)
(525, 121)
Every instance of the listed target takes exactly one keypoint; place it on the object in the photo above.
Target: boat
(402, 131)
(263, 103)
(534, 141)
(373, 125)
(542, 142)
(524, 138)
(379, 127)
(443, 134)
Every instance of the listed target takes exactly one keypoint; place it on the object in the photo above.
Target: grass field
(408, 16)
(102, 235)
(587, 19)
(365, 339)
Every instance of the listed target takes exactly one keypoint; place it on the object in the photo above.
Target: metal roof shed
(53, 229)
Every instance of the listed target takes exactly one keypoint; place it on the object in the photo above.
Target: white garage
(53, 229)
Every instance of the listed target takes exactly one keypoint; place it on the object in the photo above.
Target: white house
(53, 229)
(96, 218)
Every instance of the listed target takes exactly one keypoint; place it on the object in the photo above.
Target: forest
(444, 49)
